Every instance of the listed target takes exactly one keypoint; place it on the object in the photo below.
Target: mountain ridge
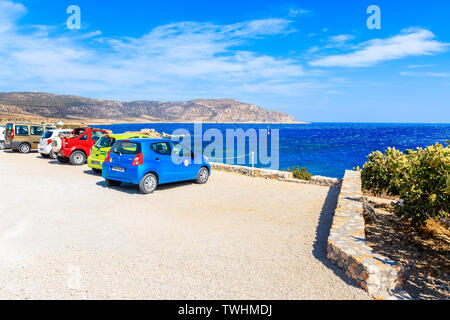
(54, 106)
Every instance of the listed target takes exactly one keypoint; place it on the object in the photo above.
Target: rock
(369, 210)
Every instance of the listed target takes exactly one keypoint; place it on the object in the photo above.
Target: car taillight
(138, 160)
(107, 156)
(49, 141)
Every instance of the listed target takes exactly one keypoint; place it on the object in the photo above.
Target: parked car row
(135, 158)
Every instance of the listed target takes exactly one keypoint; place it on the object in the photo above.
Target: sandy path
(64, 234)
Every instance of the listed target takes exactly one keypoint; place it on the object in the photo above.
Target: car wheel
(77, 158)
(112, 183)
(97, 170)
(203, 176)
(62, 159)
(148, 183)
(44, 155)
(53, 155)
(24, 148)
(2, 145)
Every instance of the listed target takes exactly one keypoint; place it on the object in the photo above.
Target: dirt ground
(425, 252)
(65, 235)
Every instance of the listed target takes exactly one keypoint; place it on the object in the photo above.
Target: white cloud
(425, 74)
(297, 12)
(256, 28)
(410, 42)
(9, 12)
(341, 38)
(175, 61)
(417, 66)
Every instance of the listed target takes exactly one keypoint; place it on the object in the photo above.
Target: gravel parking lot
(65, 235)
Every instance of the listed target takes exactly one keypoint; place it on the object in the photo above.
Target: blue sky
(315, 60)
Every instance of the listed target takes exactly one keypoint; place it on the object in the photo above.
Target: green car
(101, 148)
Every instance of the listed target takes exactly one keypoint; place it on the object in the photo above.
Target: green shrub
(420, 177)
(384, 173)
(426, 191)
(302, 173)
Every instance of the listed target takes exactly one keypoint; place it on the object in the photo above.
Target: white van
(45, 144)
(2, 137)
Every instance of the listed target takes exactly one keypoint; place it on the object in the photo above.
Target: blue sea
(326, 149)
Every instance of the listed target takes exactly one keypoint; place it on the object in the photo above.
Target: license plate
(117, 169)
(96, 163)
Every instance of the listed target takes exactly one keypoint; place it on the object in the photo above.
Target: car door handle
(157, 159)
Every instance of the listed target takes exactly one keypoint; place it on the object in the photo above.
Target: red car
(76, 148)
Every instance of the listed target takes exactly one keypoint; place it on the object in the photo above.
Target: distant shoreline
(205, 122)
(84, 122)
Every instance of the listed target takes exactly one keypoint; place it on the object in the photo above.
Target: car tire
(112, 183)
(77, 158)
(53, 155)
(148, 183)
(45, 155)
(2, 145)
(202, 176)
(24, 148)
(62, 159)
(97, 170)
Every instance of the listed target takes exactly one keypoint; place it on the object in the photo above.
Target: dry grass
(424, 252)
(435, 230)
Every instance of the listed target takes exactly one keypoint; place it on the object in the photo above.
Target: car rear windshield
(78, 131)
(47, 134)
(126, 147)
(105, 142)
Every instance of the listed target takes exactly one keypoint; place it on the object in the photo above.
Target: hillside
(45, 106)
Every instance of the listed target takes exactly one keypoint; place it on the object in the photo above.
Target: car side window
(180, 150)
(36, 131)
(22, 130)
(97, 135)
(161, 148)
(84, 137)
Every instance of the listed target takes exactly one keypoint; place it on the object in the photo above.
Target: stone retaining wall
(275, 174)
(322, 181)
(380, 276)
(257, 172)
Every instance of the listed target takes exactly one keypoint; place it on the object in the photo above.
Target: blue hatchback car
(149, 162)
